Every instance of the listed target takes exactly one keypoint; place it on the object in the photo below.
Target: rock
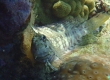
(26, 37)
(78, 69)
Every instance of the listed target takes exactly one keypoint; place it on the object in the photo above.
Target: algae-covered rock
(42, 12)
(61, 9)
(81, 69)
(88, 39)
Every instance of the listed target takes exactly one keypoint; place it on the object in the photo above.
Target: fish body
(56, 40)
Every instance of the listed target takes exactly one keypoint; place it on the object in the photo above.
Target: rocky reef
(16, 59)
(78, 69)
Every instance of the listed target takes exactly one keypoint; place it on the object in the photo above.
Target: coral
(90, 4)
(43, 13)
(97, 57)
(61, 9)
(73, 6)
(77, 9)
(85, 12)
(50, 11)
(82, 2)
(78, 69)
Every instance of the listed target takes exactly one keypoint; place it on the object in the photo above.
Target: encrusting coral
(50, 11)
(81, 69)
(72, 7)
(61, 9)
(72, 3)
(90, 4)
(85, 12)
(77, 9)
(82, 2)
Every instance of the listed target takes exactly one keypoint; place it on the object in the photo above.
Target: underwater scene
(54, 39)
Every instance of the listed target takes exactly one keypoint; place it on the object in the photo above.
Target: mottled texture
(81, 69)
(60, 38)
(99, 58)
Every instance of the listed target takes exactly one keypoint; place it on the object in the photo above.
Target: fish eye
(43, 38)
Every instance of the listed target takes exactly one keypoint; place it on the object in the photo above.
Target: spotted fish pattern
(58, 39)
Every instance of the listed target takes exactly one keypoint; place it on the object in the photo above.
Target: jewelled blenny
(53, 41)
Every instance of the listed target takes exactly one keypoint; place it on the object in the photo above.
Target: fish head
(41, 48)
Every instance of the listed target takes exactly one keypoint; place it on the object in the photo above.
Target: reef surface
(16, 59)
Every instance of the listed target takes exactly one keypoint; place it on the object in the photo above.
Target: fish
(53, 41)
